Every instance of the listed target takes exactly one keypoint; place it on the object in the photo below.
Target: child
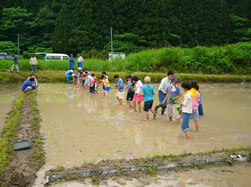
(88, 81)
(148, 93)
(68, 76)
(196, 99)
(130, 91)
(93, 88)
(186, 108)
(121, 87)
(137, 97)
(79, 76)
(106, 85)
(173, 93)
(74, 79)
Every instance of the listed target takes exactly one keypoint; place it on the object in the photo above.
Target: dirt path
(24, 164)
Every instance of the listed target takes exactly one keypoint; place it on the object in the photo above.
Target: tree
(14, 21)
(7, 47)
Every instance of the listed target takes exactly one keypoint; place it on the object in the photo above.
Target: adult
(80, 61)
(164, 84)
(16, 62)
(27, 85)
(33, 63)
(72, 62)
(34, 83)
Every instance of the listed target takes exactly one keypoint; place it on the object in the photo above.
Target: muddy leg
(154, 115)
(147, 115)
(188, 135)
(196, 122)
(139, 106)
(134, 106)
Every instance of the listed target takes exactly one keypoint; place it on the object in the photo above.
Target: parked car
(54, 56)
(4, 56)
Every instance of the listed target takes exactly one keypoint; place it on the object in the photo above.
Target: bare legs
(139, 106)
(196, 122)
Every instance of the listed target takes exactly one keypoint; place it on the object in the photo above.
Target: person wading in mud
(164, 84)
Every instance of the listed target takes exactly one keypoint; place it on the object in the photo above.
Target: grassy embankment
(11, 128)
(59, 77)
(230, 59)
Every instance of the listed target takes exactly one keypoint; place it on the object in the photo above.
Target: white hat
(71, 70)
(73, 74)
(147, 79)
(79, 68)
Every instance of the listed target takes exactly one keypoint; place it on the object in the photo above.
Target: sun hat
(147, 79)
(175, 79)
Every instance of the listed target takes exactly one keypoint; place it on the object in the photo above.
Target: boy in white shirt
(186, 108)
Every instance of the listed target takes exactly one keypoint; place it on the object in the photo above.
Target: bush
(234, 59)
(7, 47)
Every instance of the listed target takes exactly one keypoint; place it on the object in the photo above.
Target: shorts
(195, 114)
(172, 111)
(185, 121)
(120, 95)
(148, 105)
(107, 89)
(138, 98)
(130, 96)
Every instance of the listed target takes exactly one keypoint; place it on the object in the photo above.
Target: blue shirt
(173, 91)
(26, 84)
(120, 82)
(148, 91)
(71, 59)
(68, 73)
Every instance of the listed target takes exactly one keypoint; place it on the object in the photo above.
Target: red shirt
(95, 80)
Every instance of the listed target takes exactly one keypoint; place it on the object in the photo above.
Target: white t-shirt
(138, 86)
(80, 59)
(88, 80)
(187, 104)
(165, 82)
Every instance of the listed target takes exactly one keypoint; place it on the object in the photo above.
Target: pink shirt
(196, 102)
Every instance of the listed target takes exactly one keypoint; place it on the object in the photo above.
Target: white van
(56, 56)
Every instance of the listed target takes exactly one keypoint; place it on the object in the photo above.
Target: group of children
(138, 93)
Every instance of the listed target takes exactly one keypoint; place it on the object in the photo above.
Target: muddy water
(237, 175)
(80, 127)
(7, 95)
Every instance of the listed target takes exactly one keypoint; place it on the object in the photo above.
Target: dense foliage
(234, 58)
(74, 26)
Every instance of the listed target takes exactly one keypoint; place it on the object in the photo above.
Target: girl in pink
(138, 97)
(196, 99)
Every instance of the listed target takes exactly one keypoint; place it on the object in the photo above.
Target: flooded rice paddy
(7, 95)
(80, 127)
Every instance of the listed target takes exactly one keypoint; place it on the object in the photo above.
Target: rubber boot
(156, 109)
(163, 111)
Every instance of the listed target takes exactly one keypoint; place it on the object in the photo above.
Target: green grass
(8, 133)
(230, 59)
